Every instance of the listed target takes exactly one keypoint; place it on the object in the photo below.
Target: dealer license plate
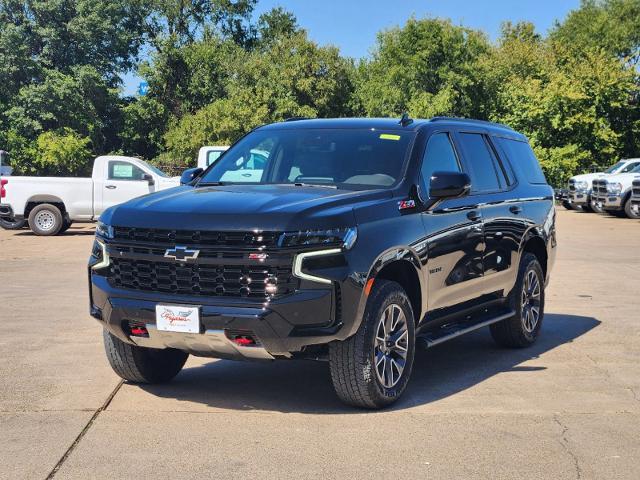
(178, 318)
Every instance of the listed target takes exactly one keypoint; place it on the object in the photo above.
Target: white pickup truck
(51, 204)
(249, 167)
(208, 155)
(580, 185)
(613, 194)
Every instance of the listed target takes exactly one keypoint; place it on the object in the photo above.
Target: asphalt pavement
(567, 408)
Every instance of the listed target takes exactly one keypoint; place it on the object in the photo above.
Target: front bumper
(579, 198)
(607, 201)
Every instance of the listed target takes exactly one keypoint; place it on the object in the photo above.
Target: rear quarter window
(523, 160)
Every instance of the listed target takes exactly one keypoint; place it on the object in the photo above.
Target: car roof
(393, 124)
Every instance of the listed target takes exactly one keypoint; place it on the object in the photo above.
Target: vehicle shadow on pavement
(69, 233)
(305, 386)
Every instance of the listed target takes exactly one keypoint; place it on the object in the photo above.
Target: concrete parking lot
(567, 408)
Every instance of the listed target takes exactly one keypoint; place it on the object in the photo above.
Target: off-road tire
(512, 332)
(45, 220)
(352, 361)
(143, 365)
(628, 210)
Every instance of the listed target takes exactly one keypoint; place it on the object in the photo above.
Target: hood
(243, 207)
(588, 177)
(623, 177)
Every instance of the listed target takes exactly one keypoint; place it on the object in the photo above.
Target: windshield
(153, 168)
(613, 168)
(348, 158)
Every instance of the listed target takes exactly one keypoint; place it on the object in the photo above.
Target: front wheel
(371, 369)
(527, 300)
(629, 210)
(595, 207)
(567, 205)
(140, 364)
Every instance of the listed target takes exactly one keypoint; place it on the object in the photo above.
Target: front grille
(197, 237)
(200, 279)
(599, 188)
(223, 266)
(636, 188)
(572, 185)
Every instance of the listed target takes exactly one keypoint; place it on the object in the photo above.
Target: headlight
(99, 252)
(105, 231)
(582, 185)
(342, 237)
(614, 188)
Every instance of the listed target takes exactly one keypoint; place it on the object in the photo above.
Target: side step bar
(431, 339)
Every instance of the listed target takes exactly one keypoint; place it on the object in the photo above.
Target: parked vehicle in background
(562, 196)
(51, 204)
(355, 241)
(635, 196)
(5, 171)
(612, 194)
(208, 155)
(580, 186)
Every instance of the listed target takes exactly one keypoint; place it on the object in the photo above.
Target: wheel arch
(36, 200)
(535, 244)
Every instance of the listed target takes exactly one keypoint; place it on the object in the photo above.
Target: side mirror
(189, 174)
(449, 185)
(149, 179)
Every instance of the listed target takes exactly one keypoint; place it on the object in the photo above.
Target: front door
(455, 237)
(125, 181)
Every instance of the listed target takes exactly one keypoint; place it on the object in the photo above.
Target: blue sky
(352, 25)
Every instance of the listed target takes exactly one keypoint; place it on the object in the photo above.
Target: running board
(431, 339)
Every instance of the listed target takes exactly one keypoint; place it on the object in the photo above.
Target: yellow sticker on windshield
(388, 136)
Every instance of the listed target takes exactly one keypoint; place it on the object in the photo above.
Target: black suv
(346, 240)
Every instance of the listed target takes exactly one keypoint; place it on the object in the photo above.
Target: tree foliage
(215, 71)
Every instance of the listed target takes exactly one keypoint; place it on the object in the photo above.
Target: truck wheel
(628, 209)
(567, 205)
(9, 224)
(527, 299)
(143, 365)
(45, 219)
(371, 369)
(595, 208)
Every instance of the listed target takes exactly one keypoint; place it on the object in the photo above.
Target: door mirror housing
(149, 179)
(449, 185)
(189, 174)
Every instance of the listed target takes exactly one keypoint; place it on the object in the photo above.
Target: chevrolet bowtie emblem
(181, 254)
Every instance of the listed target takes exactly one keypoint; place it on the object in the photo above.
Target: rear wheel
(10, 224)
(143, 365)
(527, 299)
(45, 219)
(372, 368)
(628, 210)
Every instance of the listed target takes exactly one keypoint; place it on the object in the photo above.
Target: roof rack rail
(470, 120)
(405, 120)
(295, 119)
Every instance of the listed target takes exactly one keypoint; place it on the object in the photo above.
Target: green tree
(428, 67)
(290, 77)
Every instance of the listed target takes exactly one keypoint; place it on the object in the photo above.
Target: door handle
(110, 187)
(515, 209)
(473, 215)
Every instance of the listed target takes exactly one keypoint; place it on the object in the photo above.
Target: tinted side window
(523, 159)
(438, 156)
(481, 163)
(124, 171)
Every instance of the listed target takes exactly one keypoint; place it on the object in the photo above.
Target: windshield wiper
(321, 185)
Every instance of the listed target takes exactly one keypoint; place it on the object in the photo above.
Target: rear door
(124, 181)
(454, 236)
